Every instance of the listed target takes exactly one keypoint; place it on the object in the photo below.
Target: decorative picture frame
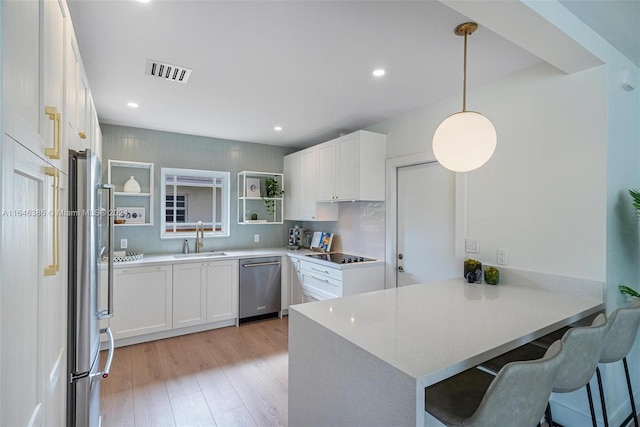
(131, 215)
(252, 187)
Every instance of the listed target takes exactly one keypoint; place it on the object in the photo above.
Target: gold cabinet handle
(52, 269)
(82, 134)
(54, 152)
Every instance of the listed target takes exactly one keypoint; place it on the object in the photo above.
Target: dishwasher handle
(260, 264)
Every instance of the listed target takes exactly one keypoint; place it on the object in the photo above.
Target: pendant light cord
(464, 76)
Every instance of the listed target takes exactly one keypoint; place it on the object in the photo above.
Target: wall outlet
(472, 245)
(123, 243)
(503, 257)
(256, 238)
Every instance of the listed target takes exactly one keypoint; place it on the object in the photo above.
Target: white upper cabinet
(352, 168)
(33, 64)
(96, 136)
(300, 181)
(78, 98)
(21, 65)
(52, 110)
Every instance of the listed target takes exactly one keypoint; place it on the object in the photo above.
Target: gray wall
(165, 149)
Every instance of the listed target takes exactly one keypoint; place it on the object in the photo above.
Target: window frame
(224, 222)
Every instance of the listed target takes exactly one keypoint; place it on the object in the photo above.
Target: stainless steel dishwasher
(259, 286)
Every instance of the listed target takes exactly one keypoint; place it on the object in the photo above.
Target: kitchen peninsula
(366, 359)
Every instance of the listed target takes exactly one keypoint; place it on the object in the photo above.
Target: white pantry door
(426, 224)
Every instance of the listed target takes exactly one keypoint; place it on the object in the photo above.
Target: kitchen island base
(327, 371)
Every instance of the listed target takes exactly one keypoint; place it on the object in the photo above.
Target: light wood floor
(225, 377)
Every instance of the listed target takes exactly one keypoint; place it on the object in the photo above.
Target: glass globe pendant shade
(464, 141)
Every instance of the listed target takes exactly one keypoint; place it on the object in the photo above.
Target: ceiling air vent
(162, 70)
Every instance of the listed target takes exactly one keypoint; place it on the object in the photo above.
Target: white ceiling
(302, 65)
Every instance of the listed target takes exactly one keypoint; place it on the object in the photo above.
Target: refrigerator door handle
(108, 313)
(105, 372)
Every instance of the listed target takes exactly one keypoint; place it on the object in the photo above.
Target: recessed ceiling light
(144, 1)
(379, 72)
(132, 104)
(277, 128)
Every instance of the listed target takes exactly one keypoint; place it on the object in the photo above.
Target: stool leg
(602, 401)
(547, 415)
(633, 404)
(591, 408)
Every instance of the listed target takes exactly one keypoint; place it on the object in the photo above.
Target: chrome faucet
(199, 236)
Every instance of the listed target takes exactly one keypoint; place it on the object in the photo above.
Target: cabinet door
(142, 301)
(292, 169)
(77, 91)
(348, 167)
(96, 136)
(326, 173)
(52, 110)
(32, 384)
(222, 290)
(295, 282)
(189, 298)
(21, 67)
(300, 174)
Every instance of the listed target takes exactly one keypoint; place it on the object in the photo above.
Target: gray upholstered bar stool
(582, 346)
(623, 329)
(517, 396)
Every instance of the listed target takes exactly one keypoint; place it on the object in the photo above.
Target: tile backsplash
(360, 229)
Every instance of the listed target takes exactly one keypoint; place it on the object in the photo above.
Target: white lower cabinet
(204, 292)
(222, 290)
(142, 300)
(295, 282)
(318, 281)
(189, 294)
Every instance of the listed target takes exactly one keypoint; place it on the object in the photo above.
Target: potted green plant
(626, 290)
(271, 190)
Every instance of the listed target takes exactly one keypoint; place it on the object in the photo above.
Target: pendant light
(464, 141)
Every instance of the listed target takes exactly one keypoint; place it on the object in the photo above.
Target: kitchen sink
(200, 254)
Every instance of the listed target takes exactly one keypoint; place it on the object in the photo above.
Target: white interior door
(426, 224)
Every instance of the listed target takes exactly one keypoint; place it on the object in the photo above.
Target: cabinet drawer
(320, 270)
(323, 283)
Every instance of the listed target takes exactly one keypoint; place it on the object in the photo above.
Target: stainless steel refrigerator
(86, 221)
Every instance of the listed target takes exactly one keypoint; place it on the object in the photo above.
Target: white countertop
(432, 331)
(156, 259)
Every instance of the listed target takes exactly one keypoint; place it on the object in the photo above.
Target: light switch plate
(256, 238)
(472, 245)
(123, 243)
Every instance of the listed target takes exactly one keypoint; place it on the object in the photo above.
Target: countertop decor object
(472, 271)
(128, 257)
(321, 241)
(131, 186)
(464, 141)
(491, 276)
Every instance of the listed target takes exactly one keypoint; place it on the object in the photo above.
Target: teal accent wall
(166, 149)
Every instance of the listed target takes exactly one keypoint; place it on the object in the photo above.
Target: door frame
(391, 226)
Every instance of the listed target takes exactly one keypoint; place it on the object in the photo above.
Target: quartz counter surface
(384, 347)
(158, 259)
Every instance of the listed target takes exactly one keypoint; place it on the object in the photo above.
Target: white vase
(131, 186)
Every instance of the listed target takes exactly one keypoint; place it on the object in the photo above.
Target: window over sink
(189, 196)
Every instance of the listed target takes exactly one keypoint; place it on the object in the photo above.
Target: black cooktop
(340, 258)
